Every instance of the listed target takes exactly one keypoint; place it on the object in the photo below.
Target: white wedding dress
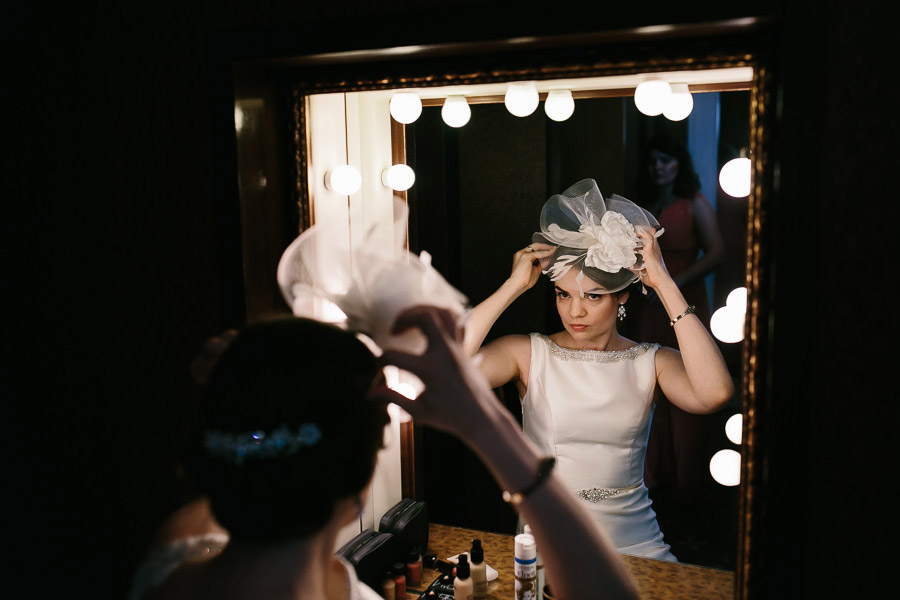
(591, 410)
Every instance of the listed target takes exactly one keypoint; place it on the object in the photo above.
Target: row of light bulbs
(346, 179)
(653, 96)
(521, 99)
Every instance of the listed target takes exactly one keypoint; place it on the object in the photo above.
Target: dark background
(114, 254)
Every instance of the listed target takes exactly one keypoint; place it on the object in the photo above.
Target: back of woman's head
(286, 429)
(687, 182)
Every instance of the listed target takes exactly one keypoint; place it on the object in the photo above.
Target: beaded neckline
(601, 356)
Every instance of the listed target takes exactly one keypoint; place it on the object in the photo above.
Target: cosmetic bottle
(478, 569)
(413, 567)
(540, 567)
(400, 580)
(462, 585)
(388, 587)
(525, 567)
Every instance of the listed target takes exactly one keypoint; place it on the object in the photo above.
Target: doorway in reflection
(477, 198)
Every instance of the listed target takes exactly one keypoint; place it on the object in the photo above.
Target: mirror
(426, 69)
(478, 193)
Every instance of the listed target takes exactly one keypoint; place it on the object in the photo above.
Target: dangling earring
(621, 312)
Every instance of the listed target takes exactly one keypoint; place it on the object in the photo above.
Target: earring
(621, 312)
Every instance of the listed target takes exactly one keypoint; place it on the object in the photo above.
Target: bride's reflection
(478, 194)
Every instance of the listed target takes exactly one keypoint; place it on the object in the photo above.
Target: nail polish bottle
(462, 585)
(388, 587)
(413, 567)
(478, 569)
(400, 580)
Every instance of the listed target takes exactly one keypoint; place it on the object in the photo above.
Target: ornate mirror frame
(285, 207)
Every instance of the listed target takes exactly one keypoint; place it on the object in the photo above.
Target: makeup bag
(408, 522)
(372, 554)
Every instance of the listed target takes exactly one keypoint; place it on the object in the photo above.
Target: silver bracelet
(688, 311)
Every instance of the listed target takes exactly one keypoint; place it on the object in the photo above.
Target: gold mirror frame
(712, 46)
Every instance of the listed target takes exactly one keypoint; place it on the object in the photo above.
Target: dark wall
(116, 261)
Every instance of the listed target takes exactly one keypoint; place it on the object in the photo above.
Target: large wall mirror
(477, 197)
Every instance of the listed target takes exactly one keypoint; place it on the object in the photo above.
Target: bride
(587, 392)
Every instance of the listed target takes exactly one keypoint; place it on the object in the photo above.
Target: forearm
(484, 315)
(707, 373)
(700, 268)
(579, 558)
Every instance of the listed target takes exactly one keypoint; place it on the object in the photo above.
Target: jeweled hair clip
(236, 447)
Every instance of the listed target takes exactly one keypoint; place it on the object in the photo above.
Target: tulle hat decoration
(597, 236)
(363, 289)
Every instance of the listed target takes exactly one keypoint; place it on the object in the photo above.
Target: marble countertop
(655, 578)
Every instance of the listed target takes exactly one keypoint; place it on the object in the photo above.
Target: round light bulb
(735, 177)
(344, 180)
(733, 428)
(725, 467)
(737, 299)
(398, 177)
(559, 105)
(521, 99)
(456, 111)
(680, 103)
(406, 107)
(651, 96)
(727, 324)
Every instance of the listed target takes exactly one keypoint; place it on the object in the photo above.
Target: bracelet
(544, 469)
(688, 311)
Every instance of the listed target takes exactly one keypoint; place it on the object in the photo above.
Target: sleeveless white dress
(591, 409)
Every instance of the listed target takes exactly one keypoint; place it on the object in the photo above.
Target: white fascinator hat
(594, 235)
(363, 286)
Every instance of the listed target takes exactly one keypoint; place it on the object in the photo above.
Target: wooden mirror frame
(283, 83)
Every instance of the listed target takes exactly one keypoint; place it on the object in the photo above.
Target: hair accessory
(363, 289)
(596, 233)
(235, 447)
(544, 469)
(688, 311)
(621, 312)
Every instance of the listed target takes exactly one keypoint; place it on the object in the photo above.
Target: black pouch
(408, 522)
(372, 554)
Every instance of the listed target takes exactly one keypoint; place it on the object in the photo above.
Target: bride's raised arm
(526, 270)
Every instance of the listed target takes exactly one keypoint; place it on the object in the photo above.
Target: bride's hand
(457, 397)
(653, 272)
(526, 267)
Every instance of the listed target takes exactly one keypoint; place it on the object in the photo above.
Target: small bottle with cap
(478, 569)
(525, 567)
(539, 566)
(462, 584)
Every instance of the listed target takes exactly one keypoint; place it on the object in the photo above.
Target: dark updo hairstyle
(687, 182)
(292, 372)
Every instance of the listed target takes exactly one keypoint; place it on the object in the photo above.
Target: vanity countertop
(655, 578)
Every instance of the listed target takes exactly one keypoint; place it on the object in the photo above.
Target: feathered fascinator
(364, 286)
(594, 235)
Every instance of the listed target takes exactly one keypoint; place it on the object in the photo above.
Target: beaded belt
(596, 494)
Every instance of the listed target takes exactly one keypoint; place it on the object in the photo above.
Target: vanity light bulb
(733, 428)
(406, 107)
(725, 467)
(727, 324)
(559, 105)
(680, 103)
(737, 298)
(651, 96)
(398, 177)
(456, 111)
(238, 119)
(344, 180)
(521, 99)
(735, 177)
